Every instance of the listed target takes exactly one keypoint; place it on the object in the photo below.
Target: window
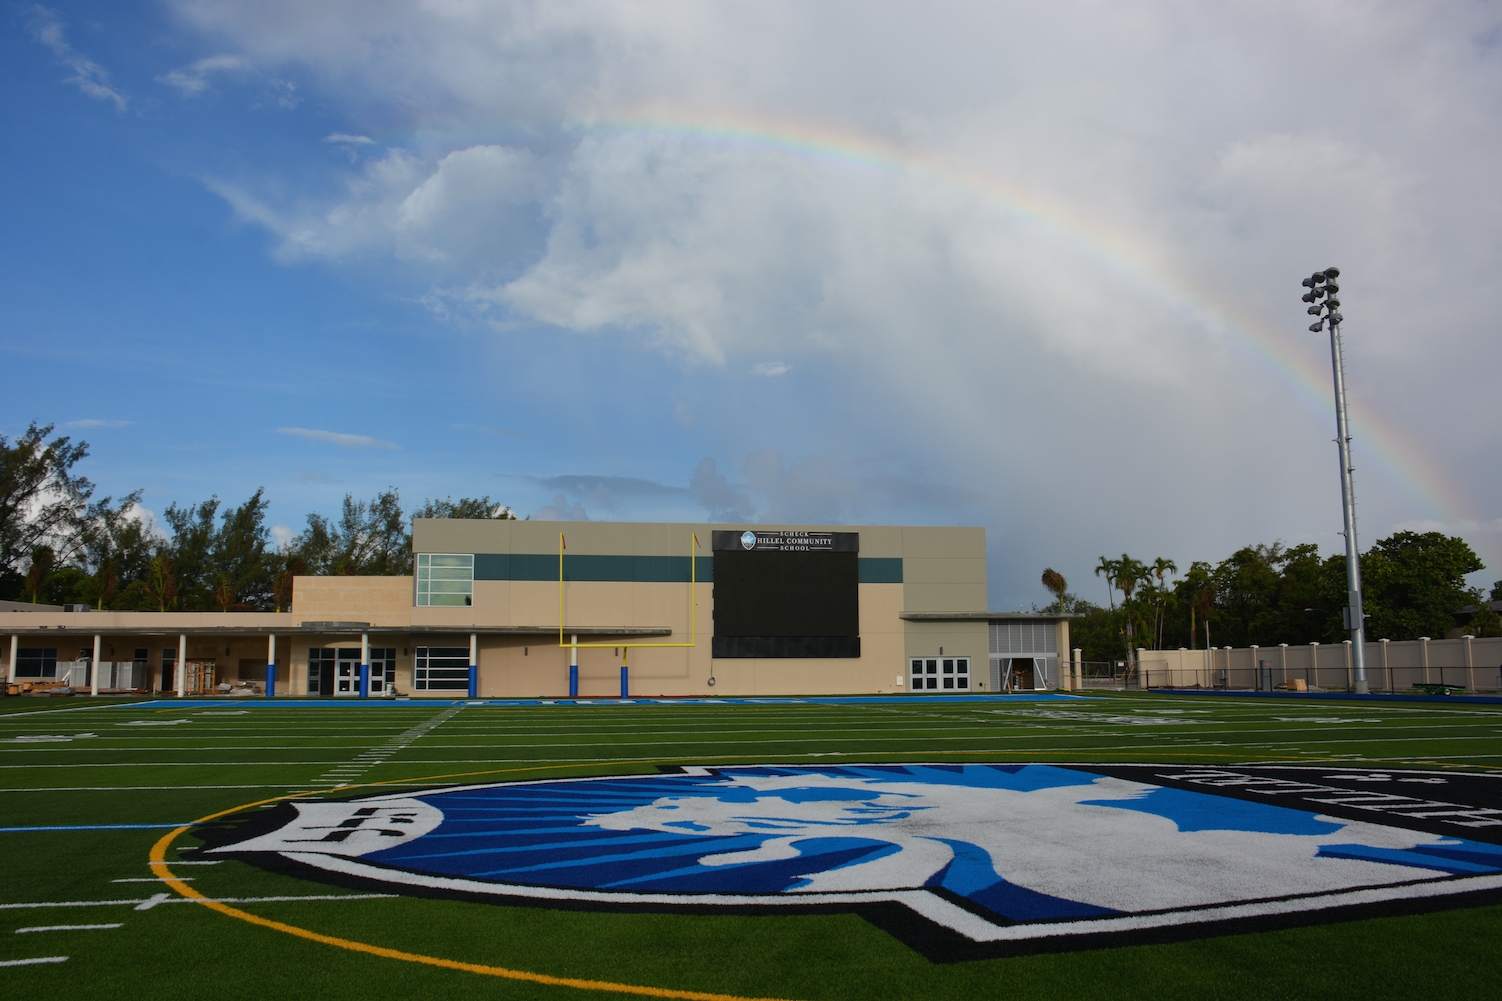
(930, 673)
(440, 669)
(445, 579)
(36, 662)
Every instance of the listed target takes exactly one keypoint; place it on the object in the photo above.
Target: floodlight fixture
(1322, 285)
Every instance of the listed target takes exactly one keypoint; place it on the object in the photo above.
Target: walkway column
(1350, 675)
(474, 665)
(364, 665)
(573, 668)
(1257, 667)
(1314, 663)
(1386, 665)
(94, 668)
(182, 665)
(10, 670)
(625, 677)
(1470, 665)
(1283, 651)
(1424, 656)
(271, 667)
(1079, 670)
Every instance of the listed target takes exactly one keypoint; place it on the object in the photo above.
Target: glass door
(382, 671)
(347, 673)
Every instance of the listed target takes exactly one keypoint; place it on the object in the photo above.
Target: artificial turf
(160, 763)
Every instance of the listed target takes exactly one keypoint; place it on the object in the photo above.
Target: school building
(527, 609)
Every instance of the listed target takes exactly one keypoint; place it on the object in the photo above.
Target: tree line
(1413, 584)
(59, 544)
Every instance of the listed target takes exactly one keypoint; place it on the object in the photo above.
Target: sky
(1033, 267)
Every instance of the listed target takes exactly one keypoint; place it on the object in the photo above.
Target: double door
(336, 671)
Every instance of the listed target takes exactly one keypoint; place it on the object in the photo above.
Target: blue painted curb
(612, 700)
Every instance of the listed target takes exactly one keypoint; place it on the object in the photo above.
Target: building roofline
(983, 616)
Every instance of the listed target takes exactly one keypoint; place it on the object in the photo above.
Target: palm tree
(1130, 573)
(1055, 582)
(1162, 568)
(1109, 568)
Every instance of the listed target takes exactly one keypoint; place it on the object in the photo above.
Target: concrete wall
(1395, 665)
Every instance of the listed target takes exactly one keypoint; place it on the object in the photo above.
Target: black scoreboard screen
(786, 594)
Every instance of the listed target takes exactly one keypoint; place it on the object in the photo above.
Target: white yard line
(23, 931)
(145, 903)
(34, 962)
(152, 879)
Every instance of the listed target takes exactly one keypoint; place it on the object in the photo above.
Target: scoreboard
(786, 594)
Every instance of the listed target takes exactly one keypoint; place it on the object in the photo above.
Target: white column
(1257, 669)
(365, 648)
(94, 672)
(15, 646)
(1386, 665)
(1470, 665)
(1350, 675)
(1424, 656)
(271, 661)
(1079, 671)
(1314, 664)
(182, 665)
(1283, 650)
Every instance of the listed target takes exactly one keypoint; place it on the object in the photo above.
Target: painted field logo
(957, 860)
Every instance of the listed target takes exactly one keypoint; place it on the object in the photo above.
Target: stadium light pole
(1321, 285)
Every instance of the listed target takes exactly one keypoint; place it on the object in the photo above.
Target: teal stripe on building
(638, 569)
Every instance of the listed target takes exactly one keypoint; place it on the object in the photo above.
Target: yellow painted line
(159, 866)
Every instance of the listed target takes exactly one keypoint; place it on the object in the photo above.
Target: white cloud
(771, 368)
(193, 79)
(342, 440)
(89, 77)
(1067, 284)
(92, 422)
(282, 535)
(344, 137)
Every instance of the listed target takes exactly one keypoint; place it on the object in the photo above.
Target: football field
(1122, 845)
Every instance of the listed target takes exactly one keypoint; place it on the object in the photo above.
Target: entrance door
(347, 673)
(382, 671)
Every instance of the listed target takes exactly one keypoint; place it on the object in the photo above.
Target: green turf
(219, 758)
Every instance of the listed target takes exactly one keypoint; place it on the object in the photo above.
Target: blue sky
(999, 265)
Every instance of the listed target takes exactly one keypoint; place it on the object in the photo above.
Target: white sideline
(34, 962)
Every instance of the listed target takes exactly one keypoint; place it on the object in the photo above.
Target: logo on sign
(748, 540)
(972, 852)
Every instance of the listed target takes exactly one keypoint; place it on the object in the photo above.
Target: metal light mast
(1321, 285)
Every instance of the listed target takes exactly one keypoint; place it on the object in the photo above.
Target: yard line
(277, 785)
(89, 827)
(152, 879)
(173, 899)
(23, 931)
(34, 962)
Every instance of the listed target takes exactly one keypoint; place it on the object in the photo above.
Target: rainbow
(1400, 458)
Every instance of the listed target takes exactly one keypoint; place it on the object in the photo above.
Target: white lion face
(1052, 840)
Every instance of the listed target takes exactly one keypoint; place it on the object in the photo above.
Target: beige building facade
(526, 609)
